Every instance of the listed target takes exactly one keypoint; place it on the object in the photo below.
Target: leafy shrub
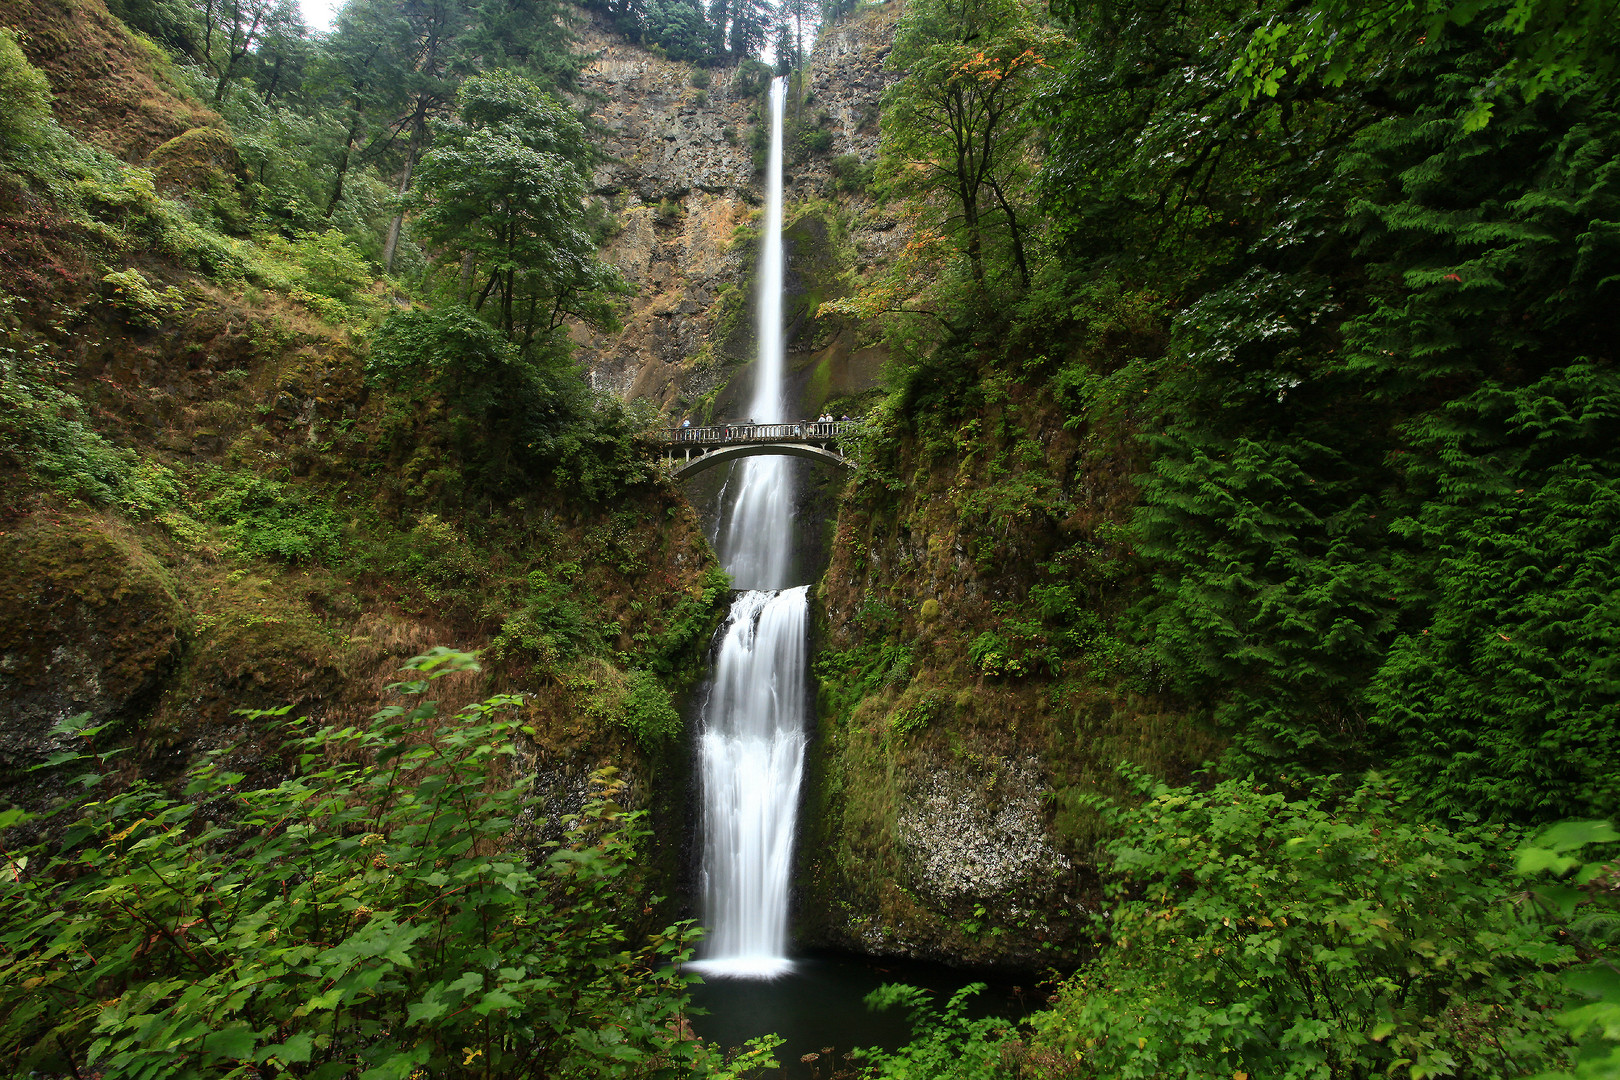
(1500, 698)
(43, 432)
(549, 624)
(27, 94)
(371, 914)
(1259, 934)
(1583, 900)
(994, 655)
(323, 263)
(815, 140)
(647, 711)
(142, 304)
(919, 714)
(752, 79)
(534, 412)
(850, 176)
(947, 1045)
(268, 519)
(678, 650)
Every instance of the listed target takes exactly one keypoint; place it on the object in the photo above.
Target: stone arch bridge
(691, 450)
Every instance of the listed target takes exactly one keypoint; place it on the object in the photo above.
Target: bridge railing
(721, 434)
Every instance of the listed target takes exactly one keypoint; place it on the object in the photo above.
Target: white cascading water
(753, 543)
(751, 754)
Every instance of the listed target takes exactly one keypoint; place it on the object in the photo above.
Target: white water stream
(751, 753)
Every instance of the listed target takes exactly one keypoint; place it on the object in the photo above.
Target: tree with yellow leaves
(956, 128)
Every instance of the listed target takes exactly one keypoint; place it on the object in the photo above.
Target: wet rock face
(88, 623)
(967, 842)
(665, 138)
(847, 78)
(679, 177)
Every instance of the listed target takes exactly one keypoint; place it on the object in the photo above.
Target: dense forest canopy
(1377, 521)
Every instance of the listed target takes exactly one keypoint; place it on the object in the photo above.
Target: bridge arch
(689, 468)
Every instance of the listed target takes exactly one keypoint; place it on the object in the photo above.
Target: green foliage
(815, 141)
(946, 1044)
(992, 654)
(27, 95)
(374, 912)
(752, 79)
(322, 263)
(677, 652)
(449, 352)
(918, 715)
(680, 28)
(1502, 696)
(518, 414)
(266, 519)
(1314, 936)
(141, 304)
(504, 187)
(1550, 45)
(1312, 501)
(956, 120)
(1584, 899)
(45, 433)
(850, 176)
(647, 711)
(174, 24)
(550, 623)
(1274, 583)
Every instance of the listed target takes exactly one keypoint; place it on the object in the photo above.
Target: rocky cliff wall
(682, 182)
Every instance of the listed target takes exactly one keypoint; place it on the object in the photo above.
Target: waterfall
(751, 748)
(754, 542)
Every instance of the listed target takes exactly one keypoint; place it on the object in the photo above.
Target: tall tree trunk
(975, 248)
(1017, 234)
(208, 35)
(414, 147)
(275, 79)
(343, 165)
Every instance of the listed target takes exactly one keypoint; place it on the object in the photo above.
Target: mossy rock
(198, 161)
(89, 622)
(256, 648)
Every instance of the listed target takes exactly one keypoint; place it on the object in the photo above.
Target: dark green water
(819, 1006)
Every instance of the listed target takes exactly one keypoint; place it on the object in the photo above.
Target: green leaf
(1571, 835)
(234, 1043)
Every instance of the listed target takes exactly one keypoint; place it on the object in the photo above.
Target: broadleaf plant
(373, 915)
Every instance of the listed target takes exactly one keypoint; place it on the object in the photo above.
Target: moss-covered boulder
(203, 159)
(89, 622)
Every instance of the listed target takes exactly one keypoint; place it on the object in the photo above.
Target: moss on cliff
(90, 621)
(968, 656)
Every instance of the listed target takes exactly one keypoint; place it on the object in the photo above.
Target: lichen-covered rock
(968, 842)
(89, 623)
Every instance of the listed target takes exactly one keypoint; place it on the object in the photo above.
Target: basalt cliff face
(682, 177)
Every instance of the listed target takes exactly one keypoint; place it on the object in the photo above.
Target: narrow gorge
(437, 641)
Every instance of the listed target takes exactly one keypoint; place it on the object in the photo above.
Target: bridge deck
(715, 435)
